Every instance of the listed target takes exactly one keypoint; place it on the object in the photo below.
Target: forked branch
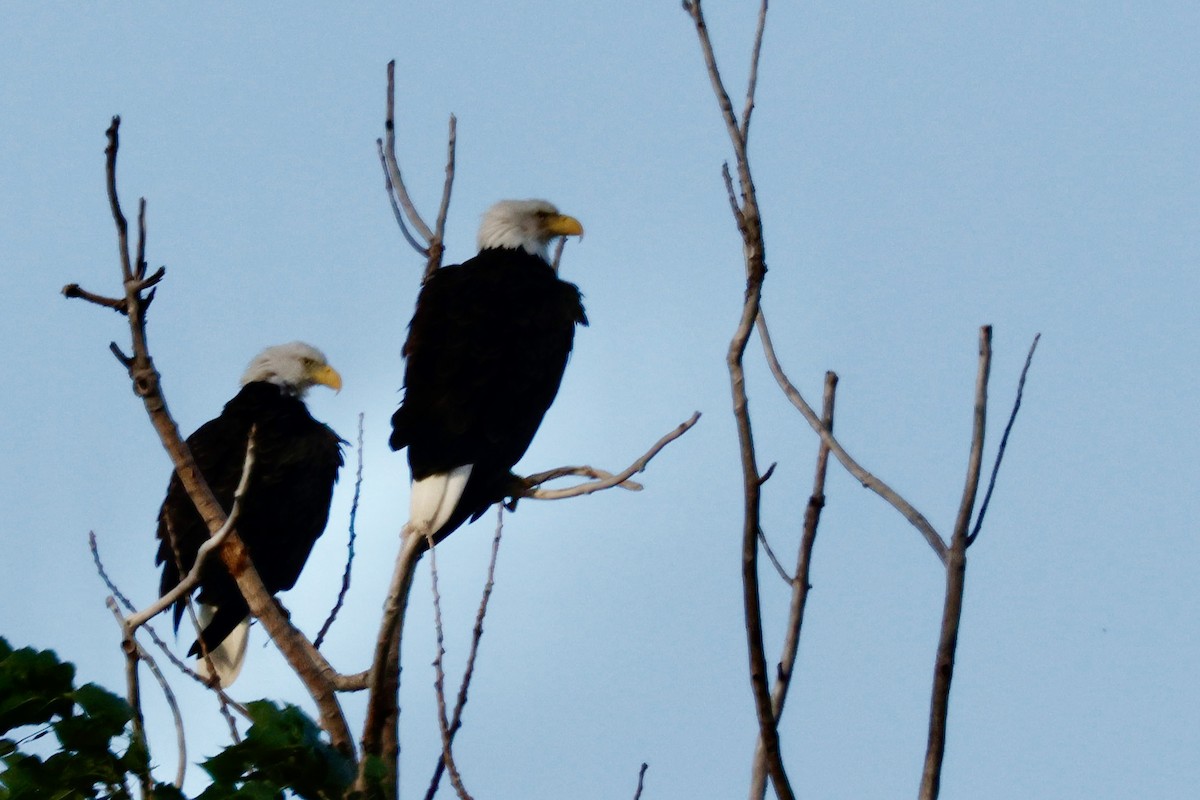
(309, 665)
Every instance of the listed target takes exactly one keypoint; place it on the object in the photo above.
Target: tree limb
(308, 664)
(1012, 417)
(868, 480)
(800, 589)
(956, 570)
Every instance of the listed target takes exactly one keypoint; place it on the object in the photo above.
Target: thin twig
(192, 579)
(180, 738)
(74, 290)
(439, 681)
(641, 777)
(956, 573)
(1012, 417)
(868, 480)
(594, 473)
(134, 696)
(762, 538)
(476, 635)
(341, 598)
(615, 480)
(116, 592)
(752, 81)
(310, 666)
(387, 183)
(437, 244)
(749, 222)
(800, 588)
(391, 163)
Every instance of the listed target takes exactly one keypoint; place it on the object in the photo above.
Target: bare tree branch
(341, 598)
(476, 635)
(134, 696)
(1012, 417)
(74, 290)
(437, 245)
(956, 572)
(393, 166)
(391, 193)
(752, 81)
(613, 480)
(641, 777)
(800, 589)
(176, 715)
(749, 224)
(774, 559)
(868, 480)
(305, 660)
(192, 579)
(439, 681)
(582, 472)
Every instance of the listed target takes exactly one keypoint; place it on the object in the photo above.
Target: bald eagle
(286, 504)
(485, 355)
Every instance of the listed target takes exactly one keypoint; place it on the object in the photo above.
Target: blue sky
(924, 168)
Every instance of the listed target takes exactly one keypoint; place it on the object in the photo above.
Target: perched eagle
(485, 354)
(285, 506)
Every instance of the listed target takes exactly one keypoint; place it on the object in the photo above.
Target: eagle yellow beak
(327, 376)
(562, 225)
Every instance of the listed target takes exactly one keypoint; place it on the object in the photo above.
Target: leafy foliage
(283, 749)
(283, 754)
(38, 691)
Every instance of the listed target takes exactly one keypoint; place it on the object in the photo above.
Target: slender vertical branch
(439, 681)
(393, 166)
(800, 589)
(867, 479)
(956, 572)
(133, 694)
(341, 598)
(1012, 417)
(752, 81)
(476, 635)
(749, 225)
(437, 244)
(312, 669)
(641, 777)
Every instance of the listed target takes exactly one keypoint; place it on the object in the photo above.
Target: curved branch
(956, 574)
(341, 598)
(620, 479)
(868, 480)
(393, 166)
(1012, 417)
(310, 666)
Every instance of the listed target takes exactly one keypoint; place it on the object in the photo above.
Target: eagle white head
(295, 367)
(525, 224)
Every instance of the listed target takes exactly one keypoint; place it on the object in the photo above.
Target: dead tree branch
(749, 222)
(956, 571)
(192, 579)
(1012, 417)
(305, 660)
(476, 635)
(800, 589)
(439, 681)
(401, 202)
(620, 479)
(133, 694)
(867, 479)
(641, 777)
(341, 598)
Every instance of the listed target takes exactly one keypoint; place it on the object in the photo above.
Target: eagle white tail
(434, 497)
(227, 657)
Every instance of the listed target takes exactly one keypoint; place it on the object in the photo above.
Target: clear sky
(924, 168)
